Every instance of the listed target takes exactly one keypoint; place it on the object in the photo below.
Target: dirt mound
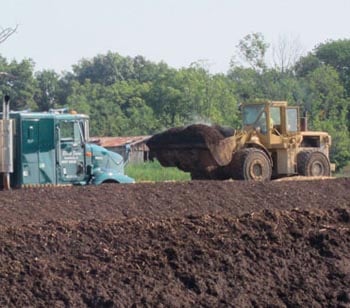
(195, 149)
(200, 243)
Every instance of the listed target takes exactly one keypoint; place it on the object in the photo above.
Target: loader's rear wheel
(313, 164)
(251, 164)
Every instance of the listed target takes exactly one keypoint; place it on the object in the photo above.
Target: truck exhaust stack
(6, 144)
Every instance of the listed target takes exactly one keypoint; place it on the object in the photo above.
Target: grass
(153, 171)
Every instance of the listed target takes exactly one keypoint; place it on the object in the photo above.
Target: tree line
(134, 96)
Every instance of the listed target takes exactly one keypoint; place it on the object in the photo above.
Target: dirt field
(193, 244)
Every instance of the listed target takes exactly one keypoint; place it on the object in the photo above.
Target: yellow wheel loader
(273, 143)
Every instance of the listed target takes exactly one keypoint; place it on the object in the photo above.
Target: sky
(58, 34)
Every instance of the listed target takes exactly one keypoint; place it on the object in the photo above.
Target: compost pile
(191, 135)
(189, 244)
(194, 148)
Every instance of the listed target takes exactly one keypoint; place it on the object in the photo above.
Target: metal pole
(6, 117)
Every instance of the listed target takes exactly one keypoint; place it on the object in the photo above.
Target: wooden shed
(139, 151)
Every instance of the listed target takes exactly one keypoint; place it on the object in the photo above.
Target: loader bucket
(195, 148)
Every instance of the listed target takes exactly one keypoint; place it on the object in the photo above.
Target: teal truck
(52, 148)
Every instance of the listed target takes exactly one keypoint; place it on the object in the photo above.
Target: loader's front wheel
(251, 164)
(313, 164)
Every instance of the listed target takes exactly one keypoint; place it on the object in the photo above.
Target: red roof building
(139, 152)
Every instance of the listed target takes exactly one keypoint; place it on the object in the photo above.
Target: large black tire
(251, 164)
(313, 163)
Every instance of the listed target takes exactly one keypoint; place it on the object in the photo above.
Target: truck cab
(52, 148)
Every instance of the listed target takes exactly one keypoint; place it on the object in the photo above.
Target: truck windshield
(251, 113)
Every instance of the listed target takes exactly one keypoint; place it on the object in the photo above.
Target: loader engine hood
(107, 166)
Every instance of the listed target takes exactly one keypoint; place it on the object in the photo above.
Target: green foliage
(340, 149)
(104, 69)
(307, 64)
(47, 93)
(166, 99)
(332, 53)
(20, 83)
(267, 85)
(252, 49)
(153, 171)
(326, 93)
(337, 55)
(118, 109)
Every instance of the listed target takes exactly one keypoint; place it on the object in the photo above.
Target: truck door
(30, 152)
(37, 156)
(70, 152)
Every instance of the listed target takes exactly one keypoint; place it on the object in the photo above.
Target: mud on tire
(313, 163)
(251, 164)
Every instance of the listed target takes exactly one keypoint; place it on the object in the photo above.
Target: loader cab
(276, 126)
(273, 122)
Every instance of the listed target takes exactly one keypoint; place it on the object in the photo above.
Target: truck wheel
(251, 164)
(313, 164)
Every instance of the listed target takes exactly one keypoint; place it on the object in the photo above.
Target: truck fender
(109, 176)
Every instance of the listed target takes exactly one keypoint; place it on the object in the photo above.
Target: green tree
(306, 65)
(224, 102)
(48, 89)
(208, 98)
(340, 149)
(105, 69)
(167, 100)
(106, 117)
(271, 84)
(118, 109)
(337, 55)
(328, 109)
(252, 48)
(325, 93)
(246, 83)
(19, 83)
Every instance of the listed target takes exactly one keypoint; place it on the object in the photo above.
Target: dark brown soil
(192, 244)
(191, 135)
(190, 149)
